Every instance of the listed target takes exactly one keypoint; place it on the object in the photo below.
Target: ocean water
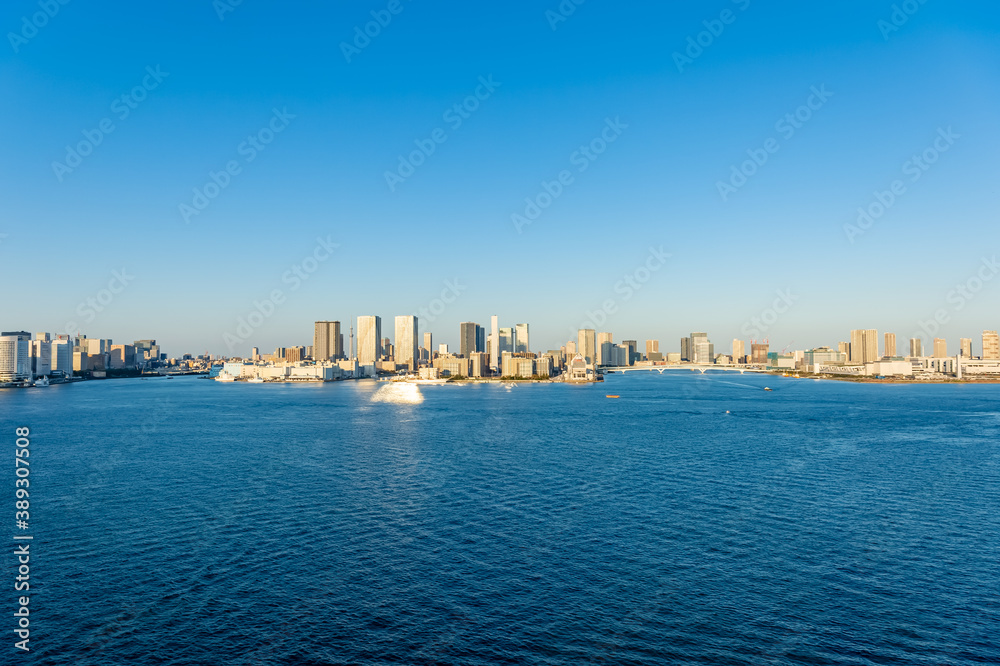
(696, 520)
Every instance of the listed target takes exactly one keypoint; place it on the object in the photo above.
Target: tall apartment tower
(406, 341)
(429, 345)
(991, 345)
(494, 344)
(468, 338)
(327, 341)
(940, 348)
(369, 339)
(600, 350)
(521, 343)
(916, 347)
(586, 344)
(864, 346)
(890, 344)
(965, 345)
(506, 340)
(739, 350)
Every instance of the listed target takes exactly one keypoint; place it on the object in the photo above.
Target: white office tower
(739, 350)
(495, 344)
(15, 358)
(369, 339)
(62, 356)
(41, 357)
(521, 343)
(586, 345)
(406, 341)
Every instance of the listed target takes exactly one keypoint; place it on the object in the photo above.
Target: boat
(42, 381)
(427, 381)
(612, 396)
(255, 380)
(768, 388)
(224, 377)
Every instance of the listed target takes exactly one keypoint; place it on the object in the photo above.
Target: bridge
(690, 367)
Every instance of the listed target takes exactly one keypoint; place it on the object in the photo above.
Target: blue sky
(681, 130)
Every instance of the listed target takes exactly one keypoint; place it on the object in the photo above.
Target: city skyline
(818, 222)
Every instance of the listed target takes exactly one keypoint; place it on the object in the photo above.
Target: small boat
(42, 381)
(255, 380)
(223, 377)
(767, 388)
(612, 396)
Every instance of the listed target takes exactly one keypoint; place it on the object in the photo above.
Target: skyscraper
(327, 341)
(864, 346)
(739, 350)
(652, 346)
(890, 344)
(965, 345)
(369, 339)
(632, 347)
(696, 348)
(468, 338)
(506, 340)
(494, 344)
(406, 340)
(940, 348)
(429, 345)
(15, 357)
(916, 347)
(991, 345)
(586, 345)
(521, 343)
(602, 351)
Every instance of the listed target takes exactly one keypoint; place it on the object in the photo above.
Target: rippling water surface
(697, 519)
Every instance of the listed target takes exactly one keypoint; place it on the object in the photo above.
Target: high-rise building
(864, 346)
(481, 339)
(406, 341)
(494, 344)
(41, 355)
(890, 344)
(506, 341)
(328, 343)
(916, 347)
(991, 345)
(468, 338)
(633, 347)
(62, 356)
(369, 339)
(940, 348)
(603, 352)
(429, 345)
(759, 351)
(15, 357)
(696, 348)
(965, 345)
(521, 342)
(652, 346)
(739, 350)
(586, 345)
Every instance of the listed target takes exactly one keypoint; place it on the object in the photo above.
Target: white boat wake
(400, 393)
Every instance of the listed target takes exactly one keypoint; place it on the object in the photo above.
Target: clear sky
(310, 127)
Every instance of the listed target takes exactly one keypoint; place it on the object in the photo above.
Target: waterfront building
(889, 350)
(479, 364)
(122, 356)
(822, 356)
(15, 357)
(579, 370)
(543, 366)
(696, 348)
(586, 345)
(739, 351)
(991, 345)
(940, 348)
(62, 356)
(864, 346)
(916, 348)
(521, 344)
(406, 341)
(369, 339)
(452, 366)
(965, 347)
(328, 342)
(41, 356)
(518, 364)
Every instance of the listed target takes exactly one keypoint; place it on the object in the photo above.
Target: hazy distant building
(327, 341)
(696, 348)
(864, 346)
(940, 348)
(965, 347)
(652, 346)
(758, 352)
(494, 344)
(506, 341)
(603, 353)
(369, 339)
(916, 348)
(429, 344)
(633, 350)
(521, 343)
(739, 351)
(586, 345)
(406, 341)
(991, 345)
(890, 345)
